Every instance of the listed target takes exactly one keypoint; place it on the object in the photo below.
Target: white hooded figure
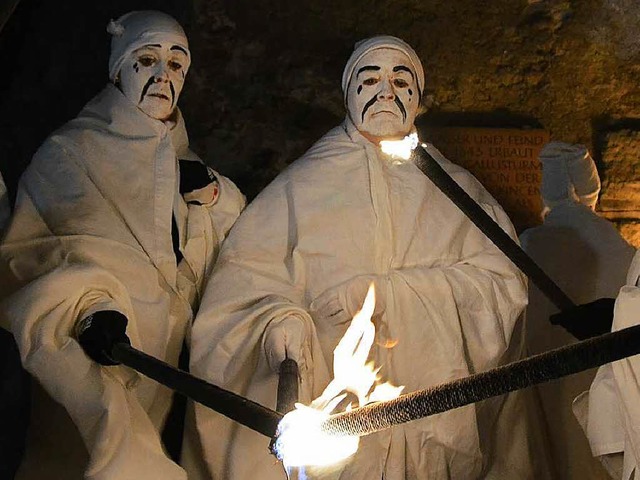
(112, 216)
(296, 268)
(610, 410)
(588, 259)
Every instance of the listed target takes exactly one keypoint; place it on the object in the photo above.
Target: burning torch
(315, 435)
(309, 430)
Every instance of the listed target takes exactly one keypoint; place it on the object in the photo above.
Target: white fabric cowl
(139, 28)
(382, 41)
(569, 174)
(92, 231)
(343, 212)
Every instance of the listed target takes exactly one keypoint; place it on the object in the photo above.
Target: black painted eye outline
(147, 60)
(400, 83)
(174, 65)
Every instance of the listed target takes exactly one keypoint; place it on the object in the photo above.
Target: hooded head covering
(382, 41)
(139, 28)
(568, 174)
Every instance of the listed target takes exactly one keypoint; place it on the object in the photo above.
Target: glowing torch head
(300, 440)
(400, 149)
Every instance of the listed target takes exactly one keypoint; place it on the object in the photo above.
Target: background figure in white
(117, 225)
(586, 256)
(612, 420)
(297, 265)
(609, 412)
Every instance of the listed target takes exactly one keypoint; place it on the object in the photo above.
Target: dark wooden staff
(287, 386)
(242, 410)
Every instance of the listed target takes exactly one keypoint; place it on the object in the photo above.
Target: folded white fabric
(339, 304)
(284, 339)
(568, 174)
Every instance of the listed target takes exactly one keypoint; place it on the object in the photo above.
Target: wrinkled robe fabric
(588, 259)
(452, 302)
(92, 231)
(610, 411)
(626, 373)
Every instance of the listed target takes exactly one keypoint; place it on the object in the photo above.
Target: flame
(389, 343)
(400, 148)
(300, 440)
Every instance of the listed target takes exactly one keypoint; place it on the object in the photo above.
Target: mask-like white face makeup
(383, 96)
(152, 78)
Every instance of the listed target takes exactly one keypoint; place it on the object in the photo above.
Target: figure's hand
(99, 332)
(339, 304)
(198, 184)
(588, 320)
(284, 339)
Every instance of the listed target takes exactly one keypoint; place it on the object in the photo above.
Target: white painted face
(152, 78)
(383, 95)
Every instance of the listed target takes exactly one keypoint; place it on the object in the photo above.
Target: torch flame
(400, 148)
(300, 440)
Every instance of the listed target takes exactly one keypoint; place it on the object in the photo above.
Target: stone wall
(265, 80)
(620, 194)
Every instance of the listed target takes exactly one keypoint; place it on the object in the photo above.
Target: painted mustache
(396, 100)
(402, 109)
(150, 82)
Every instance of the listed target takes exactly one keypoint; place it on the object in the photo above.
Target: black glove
(98, 333)
(195, 176)
(588, 320)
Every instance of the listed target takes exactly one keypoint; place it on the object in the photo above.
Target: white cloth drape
(610, 411)
(452, 301)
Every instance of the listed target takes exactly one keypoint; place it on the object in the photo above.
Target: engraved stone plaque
(505, 161)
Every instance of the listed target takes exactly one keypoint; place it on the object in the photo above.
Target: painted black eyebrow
(367, 67)
(402, 68)
(154, 45)
(178, 47)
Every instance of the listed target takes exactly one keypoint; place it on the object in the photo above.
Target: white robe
(588, 258)
(92, 231)
(452, 298)
(610, 410)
